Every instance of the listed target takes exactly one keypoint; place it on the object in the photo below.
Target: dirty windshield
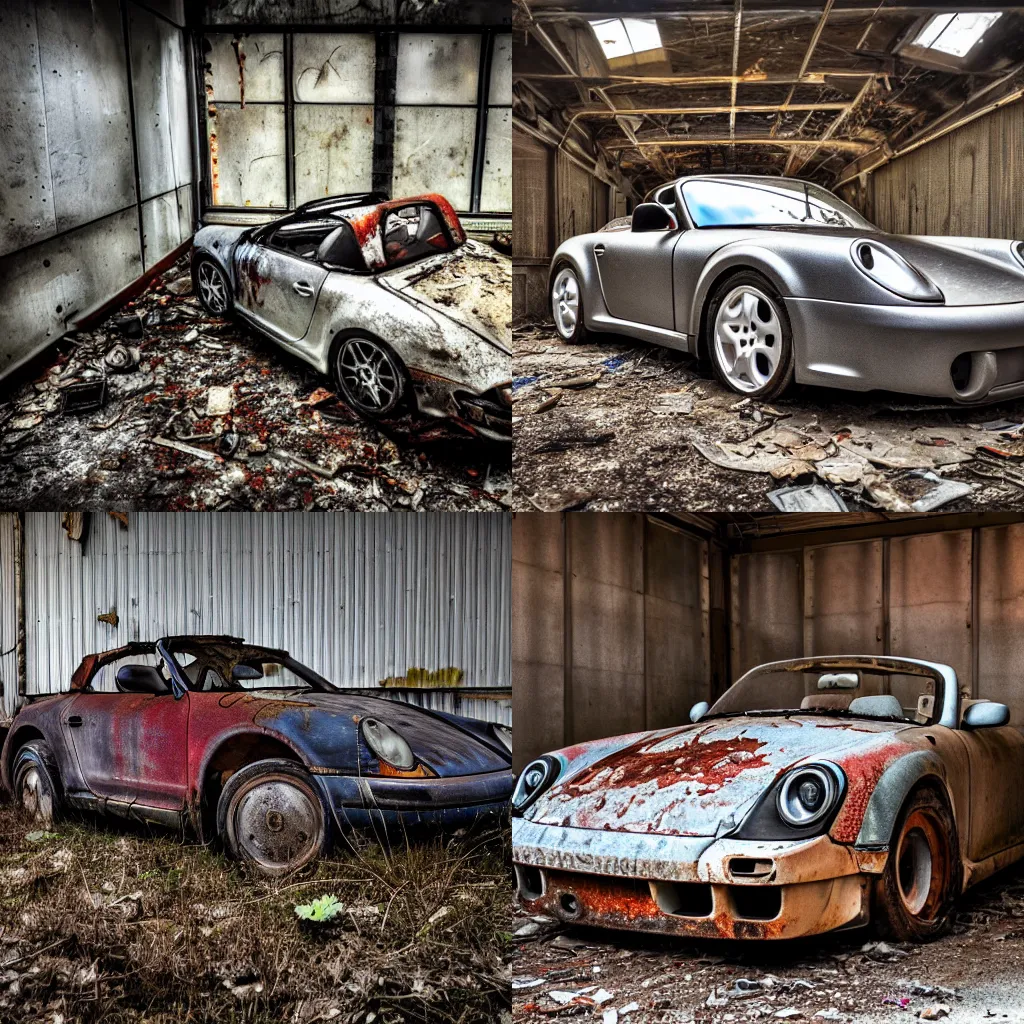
(789, 203)
(223, 667)
(845, 692)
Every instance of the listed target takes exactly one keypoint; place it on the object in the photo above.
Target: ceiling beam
(675, 11)
(796, 161)
(697, 81)
(737, 25)
(805, 63)
(725, 108)
(697, 141)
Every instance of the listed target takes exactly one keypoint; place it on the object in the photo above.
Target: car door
(277, 288)
(635, 271)
(131, 747)
(996, 759)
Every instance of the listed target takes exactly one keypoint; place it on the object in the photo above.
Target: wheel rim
(211, 288)
(277, 823)
(920, 867)
(368, 375)
(34, 796)
(565, 302)
(748, 338)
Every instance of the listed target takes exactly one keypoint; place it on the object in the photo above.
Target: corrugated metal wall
(360, 597)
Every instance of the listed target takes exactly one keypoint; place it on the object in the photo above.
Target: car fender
(575, 252)
(218, 242)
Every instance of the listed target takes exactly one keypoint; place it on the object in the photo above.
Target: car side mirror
(141, 679)
(699, 710)
(985, 715)
(653, 217)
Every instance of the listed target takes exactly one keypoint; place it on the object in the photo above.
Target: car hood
(472, 286)
(699, 780)
(324, 727)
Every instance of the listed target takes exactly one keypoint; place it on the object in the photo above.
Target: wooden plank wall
(533, 187)
(969, 182)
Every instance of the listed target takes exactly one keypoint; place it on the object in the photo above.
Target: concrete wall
(610, 626)
(83, 88)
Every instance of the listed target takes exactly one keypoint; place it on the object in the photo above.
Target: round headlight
(535, 778)
(503, 734)
(387, 744)
(807, 795)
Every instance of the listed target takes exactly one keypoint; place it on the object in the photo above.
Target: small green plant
(323, 908)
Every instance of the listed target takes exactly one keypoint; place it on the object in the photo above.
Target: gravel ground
(971, 975)
(279, 439)
(616, 425)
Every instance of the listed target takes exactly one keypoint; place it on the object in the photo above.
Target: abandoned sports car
(776, 280)
(389, 298)
(246, 745)
(814, 795)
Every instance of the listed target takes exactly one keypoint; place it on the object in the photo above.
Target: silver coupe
(387, 296)
(776, 280)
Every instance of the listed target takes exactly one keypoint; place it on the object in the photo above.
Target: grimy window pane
(334, 67)
(500, 94)
(438, 69)
(247, 154)
(434, 152)
(333, 150)
(496, 188)
(246, 68)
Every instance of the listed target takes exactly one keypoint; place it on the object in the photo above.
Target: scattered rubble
(163, 406)
(616, 424)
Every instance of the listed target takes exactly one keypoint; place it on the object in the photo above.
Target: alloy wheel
(368, 375)
(212, 289)
(748, 338)
(565, 302)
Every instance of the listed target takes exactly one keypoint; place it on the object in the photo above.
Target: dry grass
(113, 923)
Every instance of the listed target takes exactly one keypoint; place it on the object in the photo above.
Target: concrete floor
(280, 440)
(844, 977)
(619, 424)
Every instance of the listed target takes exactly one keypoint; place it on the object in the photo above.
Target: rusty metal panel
(843, 611)
(161, 230)
(88, 130)
(500, 87)
(930, 599)
(333, 150)
(766, 618)
(245, 68)
(969, 179)
(437, 69)
(361, 597)
(538, 634)
(606, 605)
(434, 152)
(26, 200)
(496, 191)
(334, 67)
(247, 150)
(1001, 617)
(8, 613)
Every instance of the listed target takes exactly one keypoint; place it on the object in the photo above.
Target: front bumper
(911, 348)
(696, 886)
(487, 414)
(361, 801)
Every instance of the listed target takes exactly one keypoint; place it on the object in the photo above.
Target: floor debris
(809, 498)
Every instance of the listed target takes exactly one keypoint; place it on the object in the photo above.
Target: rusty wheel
(270, 815)
(916, 893)
(34, 776)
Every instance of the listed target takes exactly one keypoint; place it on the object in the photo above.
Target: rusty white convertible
(387, 296)
(816, 794)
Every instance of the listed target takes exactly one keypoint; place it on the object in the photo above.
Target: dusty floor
(623, 425)
(278, 439)
(975, 974)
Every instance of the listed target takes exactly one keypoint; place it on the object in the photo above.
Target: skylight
(956, 34)
(620, 37)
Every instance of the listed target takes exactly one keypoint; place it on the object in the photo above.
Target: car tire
(36, 782)
(916, 894)
(749, 337)
(212, 287)
(566, 297)
(270, 815)
(369, 376)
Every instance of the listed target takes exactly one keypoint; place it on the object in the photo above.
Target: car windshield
(713, 204)
(861, 692)
(224, 667)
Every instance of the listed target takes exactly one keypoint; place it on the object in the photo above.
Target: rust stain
(863, 772)
(236, 45)
(426, 678)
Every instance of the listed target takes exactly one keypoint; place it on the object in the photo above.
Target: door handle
(302, 288)
(598, 250)
(75, 720)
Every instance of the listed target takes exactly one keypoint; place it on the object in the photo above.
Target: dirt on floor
(969, 976)
(202, 413)
(104, 921)
(618, 424)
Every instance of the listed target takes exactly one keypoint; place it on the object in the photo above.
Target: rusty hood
(699, 780)
(472, 286)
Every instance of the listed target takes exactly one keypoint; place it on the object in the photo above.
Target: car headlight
(890, 270)
(1017, 248)
(387, 744)
(806, 795)
(536, 777)
(503, 734)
